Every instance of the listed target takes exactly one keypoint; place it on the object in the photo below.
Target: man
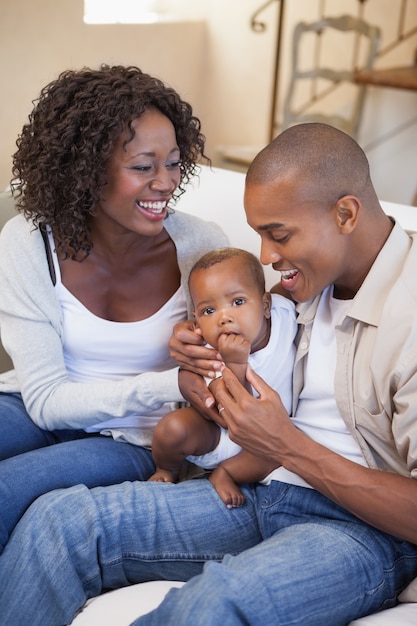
(330, 535)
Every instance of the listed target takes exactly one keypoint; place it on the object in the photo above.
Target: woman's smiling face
(143, 174)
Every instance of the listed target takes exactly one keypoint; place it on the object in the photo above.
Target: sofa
(216, 195)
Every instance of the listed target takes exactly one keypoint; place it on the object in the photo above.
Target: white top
(32, 332)
(317, 414)
(96, 349)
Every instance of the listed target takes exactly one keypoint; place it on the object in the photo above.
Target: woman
(93, 277)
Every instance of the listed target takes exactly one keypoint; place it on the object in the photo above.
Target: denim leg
(92, 461)
(319, 566)
(18, 432)
(74, 543)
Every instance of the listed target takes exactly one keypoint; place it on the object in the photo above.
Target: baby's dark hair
(219, 255)
(60, 165)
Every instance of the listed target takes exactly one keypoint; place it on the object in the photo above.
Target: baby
(245, 324)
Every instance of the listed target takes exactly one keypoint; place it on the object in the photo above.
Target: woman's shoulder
(184, 224)
(18, 227)
(21, 241)
(180, 219)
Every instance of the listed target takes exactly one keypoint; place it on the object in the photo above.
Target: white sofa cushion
(401, 615)
(123, 606)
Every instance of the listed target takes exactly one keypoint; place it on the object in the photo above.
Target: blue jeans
(288, 556)
(39, 466)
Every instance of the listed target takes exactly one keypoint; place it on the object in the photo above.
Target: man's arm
(263, 427)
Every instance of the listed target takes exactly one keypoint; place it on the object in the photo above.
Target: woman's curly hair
(60, 165)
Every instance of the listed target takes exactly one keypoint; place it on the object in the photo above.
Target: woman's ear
(267, 301)
(347, 213)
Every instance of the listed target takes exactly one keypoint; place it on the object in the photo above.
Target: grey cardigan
(31, 329)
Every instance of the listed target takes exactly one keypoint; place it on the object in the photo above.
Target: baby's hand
(234, 348)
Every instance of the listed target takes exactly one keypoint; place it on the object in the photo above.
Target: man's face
(300, 235)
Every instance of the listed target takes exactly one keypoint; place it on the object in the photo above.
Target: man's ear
(347, 213)
(267, 300)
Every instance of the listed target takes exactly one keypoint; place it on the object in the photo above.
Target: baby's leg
(241, 468)
(177, 435)
(226, 487)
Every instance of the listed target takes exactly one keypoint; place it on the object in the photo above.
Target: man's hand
(187, 349)
(259, 425)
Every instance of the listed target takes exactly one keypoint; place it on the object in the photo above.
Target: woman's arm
(31, 326)
(32, 332)
(54, 401)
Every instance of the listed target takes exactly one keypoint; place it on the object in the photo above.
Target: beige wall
(220, 65)
(242, 78)
(40, 38)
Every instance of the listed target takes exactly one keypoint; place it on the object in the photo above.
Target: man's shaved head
(318, 154)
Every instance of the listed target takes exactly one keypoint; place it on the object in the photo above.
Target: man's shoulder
(408, 271)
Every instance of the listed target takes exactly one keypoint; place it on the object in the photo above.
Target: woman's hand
(194, 389)
(188, 350)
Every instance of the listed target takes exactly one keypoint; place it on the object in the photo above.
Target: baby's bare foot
(226, 488)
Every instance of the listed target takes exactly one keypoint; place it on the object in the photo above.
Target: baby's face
(227, 301)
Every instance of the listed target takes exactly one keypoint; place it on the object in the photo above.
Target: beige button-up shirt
(376, 373)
